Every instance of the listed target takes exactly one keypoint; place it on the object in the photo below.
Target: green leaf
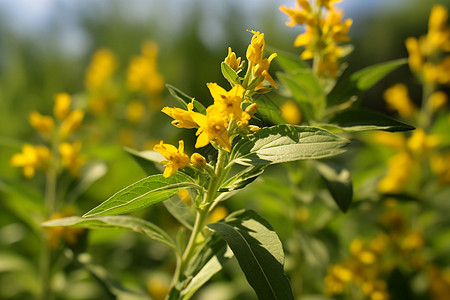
(300, 95)
(90, 173)
(184, 213)
(229, 74)
(145, 192)
(368, 77)
(338, 182)
(184, 99)
(113, 286)
(361, 81)
(116, 222)
(290, 63)
(362, 120)
(284, 143)
(259, 253)
(242, 179)
(208, 261)
(149, 161)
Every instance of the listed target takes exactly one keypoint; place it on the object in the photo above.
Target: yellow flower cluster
(324, 32)
(360, 270)
(427, 55)
(402, 166)
(225, 118)
(97, 80)
(57, 130)
(143, 75)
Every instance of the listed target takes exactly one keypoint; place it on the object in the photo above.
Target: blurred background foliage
(47, 51)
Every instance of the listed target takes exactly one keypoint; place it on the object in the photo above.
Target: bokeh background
(46, 47)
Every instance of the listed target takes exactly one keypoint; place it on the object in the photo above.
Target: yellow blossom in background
(301, 14)
(413, 240)
(31, 158)
(134, 111)
(421, 143)
(256, 47)
(219, 213)
(70, 235)
(61, 109)
(291, 113)
(158, 286)
(415, 58)
(440, 165)
(43, 124)
(397, 99)
(336, 279)
(184, 195)
(72, 122)
(231, 60)
(394, 140)
(400, 170)
(101, 68)
(327, 3)
(176, 158)
(143, 75)
(198, 160)
(70, 157)
(438, 99)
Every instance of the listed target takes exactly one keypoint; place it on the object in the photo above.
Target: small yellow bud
(231, 60)
(43, 124)
(198, 160)
(72, 122)
(62, 105)
(253, 128)
(437, 100)
(291, 113)
(251, 109)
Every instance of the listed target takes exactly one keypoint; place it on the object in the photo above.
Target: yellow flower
(184, 195)
(212, 126)
(102, 66)
(135, 111)
(421, 143)
(400, 168)
(198, 160)
(31, 158)
(229, 103)
(298, 16)
(327, 3)
(290, 113)
(72, 122)
(182, 118)
(61, 108)
(219, 213)
(440, 165)
(437, 100)
(395, 141)
(256, 47)
(158, 286)
(70, 157)
(397, 99)
(231, 60)
(68, 234)
(415, 58)
(176, 158)
(262, 69)
(142, 73)
(43, 124)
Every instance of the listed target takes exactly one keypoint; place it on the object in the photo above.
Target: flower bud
(253, 128)
(251, 109)
(198, 160)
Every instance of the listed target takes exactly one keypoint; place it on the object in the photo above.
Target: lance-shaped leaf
(352, 120)
(290, 63)
(148, 160)
(338, 182)
(259, 253)
(362, 80)
(242, 179)
(284, 143)
(115, 222)
(184, 99)
(141, 194)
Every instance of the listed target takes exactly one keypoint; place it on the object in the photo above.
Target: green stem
(426, 112)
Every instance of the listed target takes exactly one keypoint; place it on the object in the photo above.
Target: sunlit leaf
(229, 74)
(145, 192)
(259, 253)
(116, 222)
(284, 143)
